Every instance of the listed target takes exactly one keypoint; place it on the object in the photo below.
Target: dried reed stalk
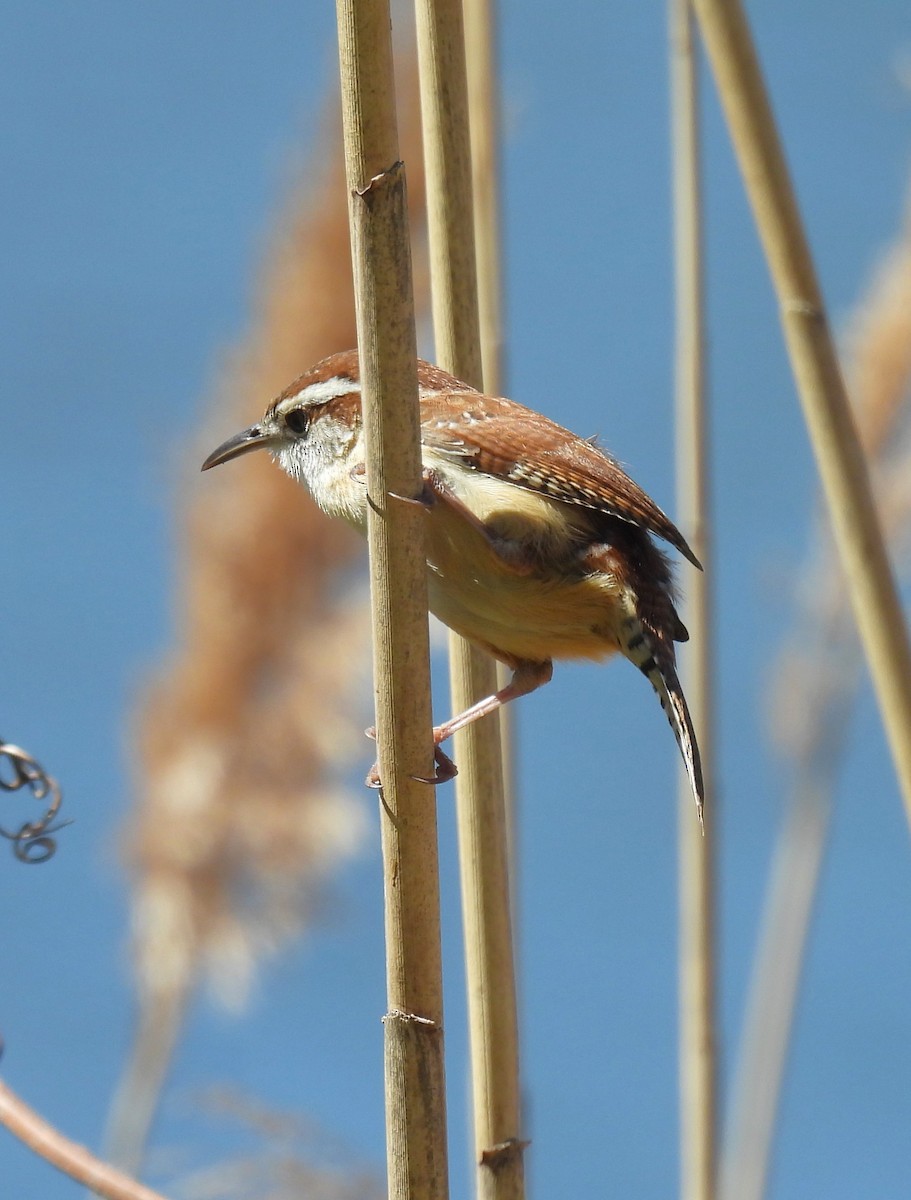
(67, 1156)
(482, 80)
(812, 694)
(484, 121)
(242, 737)
(698, 1065)
(839, 457)
(415, 1088)
(480, 796)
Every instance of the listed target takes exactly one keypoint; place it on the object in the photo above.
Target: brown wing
(500, 437)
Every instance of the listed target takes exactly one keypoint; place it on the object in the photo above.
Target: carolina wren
(538, 545)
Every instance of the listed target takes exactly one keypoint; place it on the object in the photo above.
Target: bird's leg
(527, 677)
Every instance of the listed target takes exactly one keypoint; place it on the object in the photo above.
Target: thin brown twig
(67, 1156)
(32, 842)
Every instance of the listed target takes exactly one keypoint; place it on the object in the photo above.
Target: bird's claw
(424, 500)
(373, 779)
(445, 768)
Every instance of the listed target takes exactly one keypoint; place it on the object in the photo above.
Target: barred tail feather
(673, 702)
(640, 648)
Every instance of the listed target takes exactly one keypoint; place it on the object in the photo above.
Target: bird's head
(313, 425)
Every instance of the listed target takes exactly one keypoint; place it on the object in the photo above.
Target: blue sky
(145, 150)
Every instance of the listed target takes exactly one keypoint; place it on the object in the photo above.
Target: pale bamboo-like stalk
(697, 1033)
(839, 457)
(415, 1081)
(68, 1156)
(479, 786)
(484, 122)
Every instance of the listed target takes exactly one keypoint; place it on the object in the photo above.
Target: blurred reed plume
(811, 695)
(279, 1155)
(242, 738)
(242, 732)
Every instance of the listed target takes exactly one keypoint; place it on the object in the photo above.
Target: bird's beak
(254, 438)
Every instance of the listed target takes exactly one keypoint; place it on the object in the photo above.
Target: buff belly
(518, 611)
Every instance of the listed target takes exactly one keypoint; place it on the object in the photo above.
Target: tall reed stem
(698, 1067)
(479, 786)
(839, 457)
(415, 1087)
(484, 120)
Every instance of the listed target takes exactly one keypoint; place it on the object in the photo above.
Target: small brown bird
(538, 544)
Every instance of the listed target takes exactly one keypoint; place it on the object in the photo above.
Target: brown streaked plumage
(539, 545)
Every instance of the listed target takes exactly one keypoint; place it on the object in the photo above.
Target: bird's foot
(445, 768)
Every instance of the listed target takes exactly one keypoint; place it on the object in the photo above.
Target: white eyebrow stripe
(319, 393)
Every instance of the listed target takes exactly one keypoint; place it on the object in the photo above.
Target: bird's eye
(297, 421)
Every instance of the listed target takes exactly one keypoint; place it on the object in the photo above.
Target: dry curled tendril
(32, 843)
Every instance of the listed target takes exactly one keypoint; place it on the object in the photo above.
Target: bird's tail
(656, 662)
